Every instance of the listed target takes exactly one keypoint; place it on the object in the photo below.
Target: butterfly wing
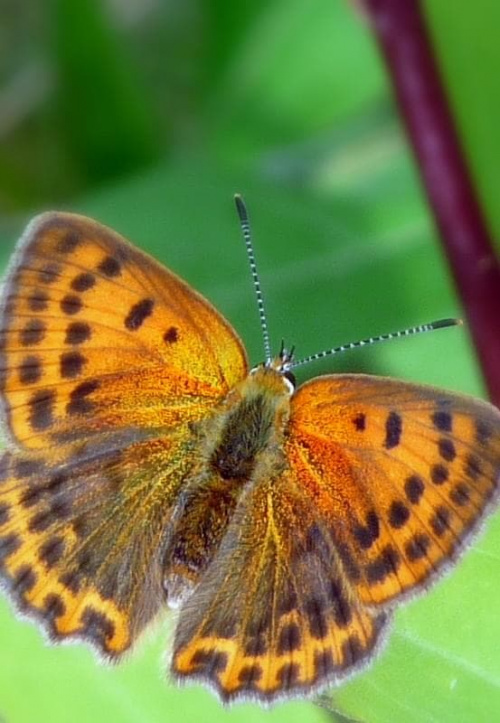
(80, 541)
(106, 360)
(273, 615)
(400, 474)
(95, 333)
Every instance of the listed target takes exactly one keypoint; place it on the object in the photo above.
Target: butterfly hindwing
(273, 614)
(80, 541)
(401, 474)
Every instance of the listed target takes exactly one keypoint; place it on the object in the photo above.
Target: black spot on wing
(69, 242)
(399, 514)
(442, 421)
(49, 273)
(79, 398)
(460, 494)
(288, 675)
(138, 314)
(97, 626)
(368, 533)
(24, 579)
(30, 370)
(289, 638)
(71, 304)
(8, 545)
(440, 520)
(38, 300)
(32, 333)
(414, 488)
(250, 674)
(393, 430)
(71, 364)
(417, 546)
(51, 551)
(83, 282)
(41, 409)
(77, 333)
(447, 449)
(439, 474)
(171, 335)
(359, 422)
(110, 267)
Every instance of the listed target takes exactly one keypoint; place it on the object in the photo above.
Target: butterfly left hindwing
(80, 541)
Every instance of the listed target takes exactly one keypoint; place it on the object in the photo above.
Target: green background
(150, 123)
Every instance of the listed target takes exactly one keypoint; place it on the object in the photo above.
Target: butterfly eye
(290, 378)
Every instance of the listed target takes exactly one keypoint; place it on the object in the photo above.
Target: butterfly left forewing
(95, 333)
(402, 474)
(273, 615)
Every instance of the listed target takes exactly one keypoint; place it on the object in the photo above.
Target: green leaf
(105, 114)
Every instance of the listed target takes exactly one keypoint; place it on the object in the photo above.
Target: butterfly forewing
(400, 473)
(88, 321)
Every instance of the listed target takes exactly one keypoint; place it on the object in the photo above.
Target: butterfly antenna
(247, 236)
(422, 329)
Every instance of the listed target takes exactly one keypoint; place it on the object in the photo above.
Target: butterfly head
(280, 365)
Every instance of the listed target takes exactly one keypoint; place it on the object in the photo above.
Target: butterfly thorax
(241, 442)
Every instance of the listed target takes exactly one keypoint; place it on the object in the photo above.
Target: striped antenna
(245, 229)
(422, 329)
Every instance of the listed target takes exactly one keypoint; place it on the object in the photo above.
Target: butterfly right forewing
(402, 475)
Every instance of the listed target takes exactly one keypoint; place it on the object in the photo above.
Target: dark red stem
(400, 28)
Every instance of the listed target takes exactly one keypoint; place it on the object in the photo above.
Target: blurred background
(149, 115)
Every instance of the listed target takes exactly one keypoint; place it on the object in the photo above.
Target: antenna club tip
(240, 207)
(238, 199)
(443, 323)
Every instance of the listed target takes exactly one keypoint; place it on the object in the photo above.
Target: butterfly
(148, 466)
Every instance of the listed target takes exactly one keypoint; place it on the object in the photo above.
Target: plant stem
(399, 26)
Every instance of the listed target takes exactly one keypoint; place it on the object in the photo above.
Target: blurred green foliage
(149, 116)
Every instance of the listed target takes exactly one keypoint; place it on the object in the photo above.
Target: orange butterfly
(148, 466)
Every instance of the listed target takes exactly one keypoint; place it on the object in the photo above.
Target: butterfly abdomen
(245, 434)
